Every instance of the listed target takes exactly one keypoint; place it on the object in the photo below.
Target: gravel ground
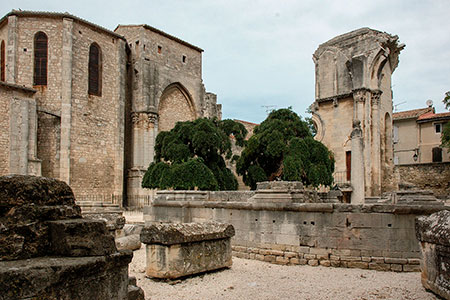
(251, 279)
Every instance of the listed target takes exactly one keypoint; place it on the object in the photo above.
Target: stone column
(66, 100)
(357, 164)
(145, 129)
(360, 114)
(376, 143)
(119, 136)
(11, 61)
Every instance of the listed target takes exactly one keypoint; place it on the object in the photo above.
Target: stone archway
(175, 105)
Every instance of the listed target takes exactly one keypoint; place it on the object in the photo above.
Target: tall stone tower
(353, 108)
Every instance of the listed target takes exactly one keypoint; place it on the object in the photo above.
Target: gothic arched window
(95, 70)
(2, 61)
(40, 58)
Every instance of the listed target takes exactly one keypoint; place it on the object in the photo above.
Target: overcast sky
(259, 53)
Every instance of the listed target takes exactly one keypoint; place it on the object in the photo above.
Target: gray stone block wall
(378, 237)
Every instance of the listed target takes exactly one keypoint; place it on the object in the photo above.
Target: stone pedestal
(283, 192)
(433, 232)
(177, 250)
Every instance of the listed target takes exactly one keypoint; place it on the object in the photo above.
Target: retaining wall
(375, 236)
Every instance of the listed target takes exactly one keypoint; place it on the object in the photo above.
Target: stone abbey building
(353, 108)
(84, 104)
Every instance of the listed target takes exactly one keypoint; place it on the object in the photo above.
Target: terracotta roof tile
(411, 113)
(432, 116)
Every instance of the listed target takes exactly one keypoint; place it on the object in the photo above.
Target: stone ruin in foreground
(433, 232)
(48, 251)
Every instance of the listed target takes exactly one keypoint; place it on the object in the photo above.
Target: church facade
(84, 104)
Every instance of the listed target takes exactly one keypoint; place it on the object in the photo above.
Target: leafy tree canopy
(282, 147)
(191, 156)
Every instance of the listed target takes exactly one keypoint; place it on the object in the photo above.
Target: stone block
(335, 263)
(303, 249)
(129, 242)
(75, 278)
(309, 256)
(350, 258)
(269, 258)
(26, 203)
(276, 252)
(411, 268)
(366, 259)
(396, 267)
(259, 257)
(177, 250)
(377, 259)
(264, 251)
(325, 263)
(413, 261)
(357, 264)
(19, 190)
(290, 254)
(391, 260)
(313, 262)
(180, 233)
(433, 232)
(80, 237)
(379, 266)
(281, 260)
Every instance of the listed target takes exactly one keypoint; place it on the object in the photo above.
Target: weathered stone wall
(18, 133)
(4, 132)
(380, 237)
(430, 176)
(97, 134)
(80, 136)
(174, 107)
(337, 127)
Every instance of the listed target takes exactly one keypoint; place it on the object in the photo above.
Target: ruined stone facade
(353, 108)
(18, 122)
(98, 99)
(166, 87)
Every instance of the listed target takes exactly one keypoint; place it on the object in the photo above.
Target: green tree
(191, 156)
(445, 137)
(282, 147)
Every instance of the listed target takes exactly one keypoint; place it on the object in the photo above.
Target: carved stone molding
(375, 97)
(335, 102)
(144, 119)
(360, 95)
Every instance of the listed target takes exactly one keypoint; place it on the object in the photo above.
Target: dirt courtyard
(250, 279)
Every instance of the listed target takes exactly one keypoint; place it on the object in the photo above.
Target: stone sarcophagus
(180, 249)
(433, 232)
